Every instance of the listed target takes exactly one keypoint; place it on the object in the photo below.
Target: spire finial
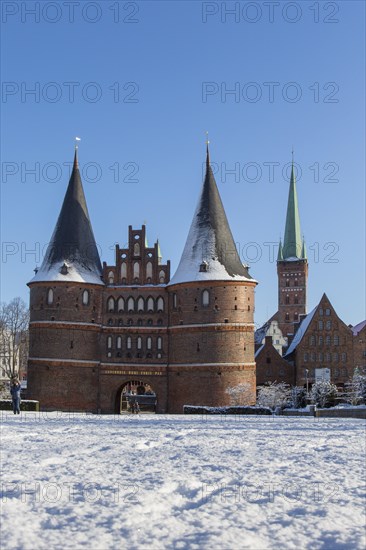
(76, 162)
(207, 150)
(292, 154)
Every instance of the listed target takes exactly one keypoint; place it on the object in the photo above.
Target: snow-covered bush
(298, 397)
(355, 389)
(241, 394)
(323, 393)
(274, 395)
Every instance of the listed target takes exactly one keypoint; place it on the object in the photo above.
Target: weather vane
(76, 142)
(207, 140)
(292, 153)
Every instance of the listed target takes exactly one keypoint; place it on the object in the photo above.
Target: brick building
(99, 332)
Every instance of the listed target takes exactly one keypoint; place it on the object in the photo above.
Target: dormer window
(203, 267)
(64, 269)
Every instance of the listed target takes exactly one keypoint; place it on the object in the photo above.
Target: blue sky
(141, 85)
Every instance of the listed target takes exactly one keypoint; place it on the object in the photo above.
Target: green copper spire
(292, 245)
(280, 252)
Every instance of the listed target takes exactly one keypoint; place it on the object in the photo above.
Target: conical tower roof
(210, 252)
(292, 244)
(72, 253)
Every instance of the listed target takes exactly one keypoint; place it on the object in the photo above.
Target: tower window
(131, 305)
(205, 298)
(119, 342)
(85, 298)
(296, 299)
(109, 342)
(162, 277)
(287, 317)
(296, 316)
(287, 299)
(159, 342)
(111, 277)
(136, 249)
(150, 305)
(149, 342)
(175, 300)
(129, 342)
(295, 282)
(50, 296)
(287, 282)
(139, 342)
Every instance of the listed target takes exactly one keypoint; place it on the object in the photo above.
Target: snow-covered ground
(181, 482)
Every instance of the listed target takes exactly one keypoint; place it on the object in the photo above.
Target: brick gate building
(96, 329)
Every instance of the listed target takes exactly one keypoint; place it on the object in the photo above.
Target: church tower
(65, 310)
(211, 308)
(292, 267)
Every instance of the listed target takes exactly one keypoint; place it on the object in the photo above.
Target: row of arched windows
(287, 299)
(132, 322)
(136, 273)
(296, 316)
(132, 305)
(139, 343)
(85, 297)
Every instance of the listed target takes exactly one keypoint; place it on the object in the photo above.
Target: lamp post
(307, 382)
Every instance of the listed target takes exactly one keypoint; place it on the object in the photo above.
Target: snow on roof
(357, 328)
(210, 252)
(76, 273)
(301, 331)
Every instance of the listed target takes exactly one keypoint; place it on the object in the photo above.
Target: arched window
(50, 296)
(160, 304)
(328, 325)
(336, 340)
(296, 299)
(110, 305)
(287, 299)
(86, 297)
(296, 316)
(119, 342)
(129, 342)
(140, 304)
(287, 282)
(136, 270)
(120, 304)
(287, 317)
(159, 342)
(136, 249)
(150, 304)
(139, 342)
(131, 305)
(295, 282)
(149, 270)
(111, 277)
(205, 298)
(148, 342)
(162, 277)
(312, 340)
(175, 300)
(123, 270)
(109, 342)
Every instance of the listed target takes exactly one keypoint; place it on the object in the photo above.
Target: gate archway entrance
(136, 391)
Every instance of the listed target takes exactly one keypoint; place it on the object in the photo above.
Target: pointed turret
(280, 252)
(292, 245)
(160, 256)
(210, 252)
(304, 255)
(72, 253)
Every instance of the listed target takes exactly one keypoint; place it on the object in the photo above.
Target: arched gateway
(138, 391)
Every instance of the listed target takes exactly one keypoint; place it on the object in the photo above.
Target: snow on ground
(181, 482)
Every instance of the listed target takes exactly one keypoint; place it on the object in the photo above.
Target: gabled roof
(72, 253)
(300, 333)
(357, 328)
(210, 252)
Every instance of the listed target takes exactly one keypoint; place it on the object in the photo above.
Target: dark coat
(15, 391)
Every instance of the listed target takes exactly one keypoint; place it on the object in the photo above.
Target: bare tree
(14, 320)
(242, 394)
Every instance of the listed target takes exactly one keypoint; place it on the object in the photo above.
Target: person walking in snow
(15, 395)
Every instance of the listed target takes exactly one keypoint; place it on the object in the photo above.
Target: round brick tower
(65, 311)
(211, 308)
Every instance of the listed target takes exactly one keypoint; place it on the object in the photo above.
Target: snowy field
(181, 482)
